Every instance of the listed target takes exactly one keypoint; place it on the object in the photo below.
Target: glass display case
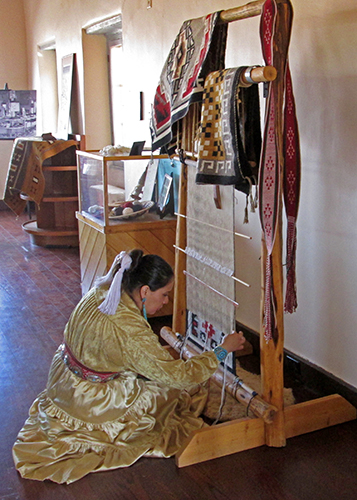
(102, 183)
(117, 210)
(115, 188)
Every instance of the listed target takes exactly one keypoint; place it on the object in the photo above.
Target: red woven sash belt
(280, 159)
(82, 371)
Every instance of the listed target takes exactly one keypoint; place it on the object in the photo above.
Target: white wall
(13, 45)
(12, 48)
(324, 71)
(323, 330)
(324, 75)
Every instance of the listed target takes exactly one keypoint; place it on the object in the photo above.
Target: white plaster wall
(13, 45)
(324, 327)
(324, 71)
(12, 48)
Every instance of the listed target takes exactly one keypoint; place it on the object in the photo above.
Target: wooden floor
(38, 289)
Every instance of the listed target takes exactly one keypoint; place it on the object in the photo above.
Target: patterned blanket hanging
(230, 135)
(280, 158)
(25, 169)
(198, 49)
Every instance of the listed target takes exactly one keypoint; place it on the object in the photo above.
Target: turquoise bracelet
(221, 353)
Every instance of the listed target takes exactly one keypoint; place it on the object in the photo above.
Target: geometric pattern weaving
(280, 159)
(210, 254)
(197, 50)
(216, 151)
(230, 136)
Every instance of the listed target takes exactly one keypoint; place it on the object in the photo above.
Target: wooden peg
(257, 74)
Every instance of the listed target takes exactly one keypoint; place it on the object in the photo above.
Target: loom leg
(221, 440)
(247, 433)
(317, 414)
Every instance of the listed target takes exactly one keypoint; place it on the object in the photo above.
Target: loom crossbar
(251, 9)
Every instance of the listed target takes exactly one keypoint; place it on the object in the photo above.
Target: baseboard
(313, 377)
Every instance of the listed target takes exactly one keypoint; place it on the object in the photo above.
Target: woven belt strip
(81, 370)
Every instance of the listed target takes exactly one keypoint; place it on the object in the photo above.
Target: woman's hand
(234, 342)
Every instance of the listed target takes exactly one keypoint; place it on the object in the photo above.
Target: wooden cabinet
(101, 235)
(55, 221)
(100, 244)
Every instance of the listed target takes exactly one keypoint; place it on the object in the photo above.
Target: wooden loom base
(248, 433)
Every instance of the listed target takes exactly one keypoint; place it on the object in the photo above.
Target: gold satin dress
(76, 426)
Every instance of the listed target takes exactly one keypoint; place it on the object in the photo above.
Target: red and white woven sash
(280, 159)
(292, 170)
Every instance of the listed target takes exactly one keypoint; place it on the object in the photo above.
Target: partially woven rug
(233, 409)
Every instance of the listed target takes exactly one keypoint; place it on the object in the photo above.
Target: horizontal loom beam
(256, 404)
(251, 9)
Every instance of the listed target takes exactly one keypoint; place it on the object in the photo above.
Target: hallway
(38, 289)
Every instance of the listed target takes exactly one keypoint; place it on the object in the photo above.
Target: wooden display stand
(101, 237)
(55, 223)
(100, 244)
(246, 433)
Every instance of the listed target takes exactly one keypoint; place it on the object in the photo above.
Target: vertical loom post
(188, 137)
(272, 353)
(179, 309)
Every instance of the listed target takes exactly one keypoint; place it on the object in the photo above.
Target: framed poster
(150, 180)
(65, 96)
(165, 192)
(17, 114)
(171, 167)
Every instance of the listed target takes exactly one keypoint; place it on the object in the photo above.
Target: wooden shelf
(50, 237)
(148, 221)
(59, 168)
(100, 244)
(56, 199)
(55, 221)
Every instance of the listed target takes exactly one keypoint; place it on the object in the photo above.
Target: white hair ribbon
(111, 302)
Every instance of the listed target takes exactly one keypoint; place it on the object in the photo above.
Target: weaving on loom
(205, 250)
(204, 241)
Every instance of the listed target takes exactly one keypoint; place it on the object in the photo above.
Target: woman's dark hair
(151, 270)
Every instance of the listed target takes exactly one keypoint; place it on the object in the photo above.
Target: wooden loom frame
(247, 433)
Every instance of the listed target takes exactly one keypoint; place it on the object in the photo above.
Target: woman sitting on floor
(114, 394)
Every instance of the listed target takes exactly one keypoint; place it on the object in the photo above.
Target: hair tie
(111, 302)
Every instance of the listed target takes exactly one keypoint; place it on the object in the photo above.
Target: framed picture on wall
(17, 114)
